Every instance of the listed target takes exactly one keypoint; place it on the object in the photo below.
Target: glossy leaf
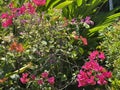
(62, 5)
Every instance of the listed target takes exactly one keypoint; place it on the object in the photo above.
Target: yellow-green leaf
(62, 5)
(79, 2)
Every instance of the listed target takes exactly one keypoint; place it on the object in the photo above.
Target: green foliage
(82, 8)
(111, 46)
(52, 42)
(62, 5)
(104, 22)
(58, 4)
(48, 45)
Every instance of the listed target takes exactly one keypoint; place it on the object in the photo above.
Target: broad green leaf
(48, 1)
(1, 2)
(44, 42)
(108, 20)
(114, 16)
(62, 5)
(53, 4)
(79, 2)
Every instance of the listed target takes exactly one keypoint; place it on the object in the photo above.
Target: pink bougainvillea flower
(51, 80)
(89, 72)
(11, 5)
(91, 80)
(107, 74)
(95, 52)
(91, 65)
(7, 23)
(102, 82)
(24, 79)
(87, 66)
(84, 40)
(82, 78)
(39, 2)
(101, 56)
(22, 9)
(93, 55)
(44, 75)
(7, 20)
(101, 69)
(15, 12)
(25, 75)
(4, 15)
(33, 77)
(30, 8)
(101, 79)
(40, 81)
(27, 7)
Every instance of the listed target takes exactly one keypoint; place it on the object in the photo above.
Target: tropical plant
(32, 43)
(42, 48)
(111, 45)
(83, 8)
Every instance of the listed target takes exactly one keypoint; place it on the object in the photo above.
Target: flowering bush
(41, 81)
(92, 72)
(45, 50)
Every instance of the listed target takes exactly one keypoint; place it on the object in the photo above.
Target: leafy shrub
(42, 50)
(111, 46)
(32, 43)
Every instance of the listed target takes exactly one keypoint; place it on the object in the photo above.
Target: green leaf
(48, 1)
(79, 2)
(62, 5)
(81, 50)
(54, 3)
(1, 2)
(108, 20)
(44, 42)
(73, 54)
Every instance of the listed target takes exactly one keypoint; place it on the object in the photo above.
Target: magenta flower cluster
(87, 20)
(95, 55)
(92, 72)
(7, 18)
(40, 2)
(24, 79)
(44, 78)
